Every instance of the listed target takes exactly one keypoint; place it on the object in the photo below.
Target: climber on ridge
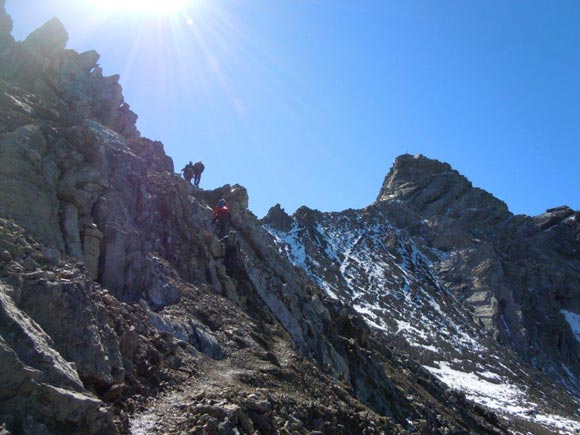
(197, 170)
(188, 172)
(221, 217)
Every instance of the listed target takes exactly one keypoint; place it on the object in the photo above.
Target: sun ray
(142, 6)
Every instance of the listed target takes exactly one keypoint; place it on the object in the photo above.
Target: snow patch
(496, 396)
(573, 320)
(500, 396)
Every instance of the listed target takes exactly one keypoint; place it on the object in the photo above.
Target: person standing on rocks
(188, 172)
(197, 170)
(221, 218)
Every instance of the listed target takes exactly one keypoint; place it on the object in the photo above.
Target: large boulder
(37, 384)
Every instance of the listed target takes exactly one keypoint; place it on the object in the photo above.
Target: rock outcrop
(49, 40)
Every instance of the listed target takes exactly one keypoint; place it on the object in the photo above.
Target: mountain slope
(445, 272)
(121, 310)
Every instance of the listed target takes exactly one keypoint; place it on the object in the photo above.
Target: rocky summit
(433, 311)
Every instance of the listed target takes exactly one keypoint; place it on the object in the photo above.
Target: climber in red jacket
(222, 217)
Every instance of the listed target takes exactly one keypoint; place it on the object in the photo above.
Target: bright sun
(150, 6)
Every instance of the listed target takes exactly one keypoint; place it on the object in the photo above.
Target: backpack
(188, 171)
(198, 167)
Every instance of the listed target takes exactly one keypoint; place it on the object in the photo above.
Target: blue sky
(308, 102)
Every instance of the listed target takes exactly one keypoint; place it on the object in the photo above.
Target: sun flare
(143, 6)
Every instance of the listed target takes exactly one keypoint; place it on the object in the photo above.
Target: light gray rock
(85, 335)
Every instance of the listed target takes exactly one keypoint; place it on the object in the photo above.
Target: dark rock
(50, 255)
(211, 425)
(88, 60)
(153, 154)
(278, 219)
(254, 404)
(31, 427)
(92, 240)
(553, 216)
(50, 39)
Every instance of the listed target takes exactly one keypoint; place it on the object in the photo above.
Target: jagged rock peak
(278, 219)
(411, 172)
(50, 38)
(432, 188)
(309, 216)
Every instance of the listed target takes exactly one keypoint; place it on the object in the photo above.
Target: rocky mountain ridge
(448, 274)
(122, 312)
(530, 265)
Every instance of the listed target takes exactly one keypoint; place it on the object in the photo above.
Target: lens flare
(146, 6)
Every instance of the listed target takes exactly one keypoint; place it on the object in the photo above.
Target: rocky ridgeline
(121, 311)
(455, 280)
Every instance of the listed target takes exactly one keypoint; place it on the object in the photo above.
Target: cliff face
(121, 311)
